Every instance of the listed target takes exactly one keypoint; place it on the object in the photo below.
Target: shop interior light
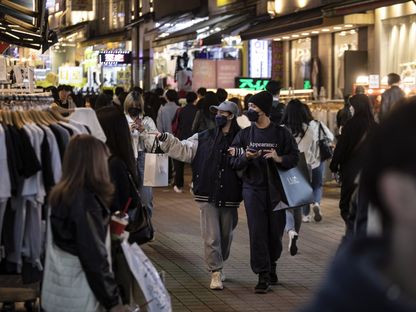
(337, 28)
(348, 25)
(384, 81)
(217, 29)
(286, 37)
(11, 35)
(343, 33)
(315, 32)
(326, 29)
(202, 30)
(157, 24)
(362, 80)
(305, 34)
(2, 28)
(295, 36)
(352, 32)
(370, 91)
(277, 39)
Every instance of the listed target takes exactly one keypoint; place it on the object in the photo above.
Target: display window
(343, 41)
(301, 63)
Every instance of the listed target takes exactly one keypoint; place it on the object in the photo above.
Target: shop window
(301, 63)
(344, 41)
(117, 14)
(400, 47)
(260, 58)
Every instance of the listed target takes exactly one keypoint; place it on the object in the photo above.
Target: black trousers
(178, 165)
(266, 228)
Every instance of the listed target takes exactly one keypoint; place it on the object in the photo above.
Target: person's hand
(272, 154)
(138, 124)
(232, 151)
(120, 308)
(250, 154)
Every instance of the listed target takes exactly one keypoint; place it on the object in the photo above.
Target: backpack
(175, 122)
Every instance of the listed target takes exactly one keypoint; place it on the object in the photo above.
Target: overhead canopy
(25, 23)
(344, 7)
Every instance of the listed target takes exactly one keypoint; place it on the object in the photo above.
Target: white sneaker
(177, 189)
(216, 282)
(293, 237)
(317, 212)
(306, 219)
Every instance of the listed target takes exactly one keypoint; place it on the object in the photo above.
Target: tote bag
(156, 167)
(297, 190)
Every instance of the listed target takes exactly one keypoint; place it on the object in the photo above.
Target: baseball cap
(226, 106)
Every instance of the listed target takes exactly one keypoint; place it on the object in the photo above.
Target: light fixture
(326, 30)
(352, 32)
(315, 32)
(337, 28)
(305, 34)
(302, 3)
(295, 36)
(277, 39)
(285, 37)
(217, 29)
(348, 26)
(343, 33)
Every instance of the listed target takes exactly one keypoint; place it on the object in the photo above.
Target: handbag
(325, 148)
(156, 169)
(140, 226)
(297, 190)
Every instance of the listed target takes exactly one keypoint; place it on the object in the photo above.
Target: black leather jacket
(80, 229)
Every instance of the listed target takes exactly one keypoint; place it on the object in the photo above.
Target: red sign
(3, 46)
(227, 70)
(204, 74)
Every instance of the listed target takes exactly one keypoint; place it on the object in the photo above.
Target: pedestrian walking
(258, 151)
(204, 118)
(278, 108)
(216, 185)
(391, 96)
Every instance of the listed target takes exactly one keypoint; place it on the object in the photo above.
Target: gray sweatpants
(217, 226)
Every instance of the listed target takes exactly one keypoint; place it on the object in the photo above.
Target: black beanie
(262, 100)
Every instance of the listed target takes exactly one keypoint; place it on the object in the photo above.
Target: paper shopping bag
(156, 170)
(296, 186)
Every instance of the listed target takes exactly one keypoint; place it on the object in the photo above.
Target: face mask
(221, 121)
(252, 115)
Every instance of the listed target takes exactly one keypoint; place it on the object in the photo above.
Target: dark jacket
(80, 229)
(202, 122)
(186, 119)
(390, 98)
(213, 178)
(277, 112)
(261, 173)
(355, 281)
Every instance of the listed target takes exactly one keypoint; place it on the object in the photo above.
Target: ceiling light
(217, 29)
(352, 32)
(337, 28)
(295, 36)
(315, 32)
(305, 34)
(343, 33)
(326, 29)
(348, 26)
(285, 37)
(277, 39)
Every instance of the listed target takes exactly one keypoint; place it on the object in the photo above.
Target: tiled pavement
(178, 251)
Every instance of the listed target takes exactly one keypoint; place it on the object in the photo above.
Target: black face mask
(252, 115)
(134, 112)
(221, 121)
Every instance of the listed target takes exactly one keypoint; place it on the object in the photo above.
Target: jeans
(294, 219)
(146, 192)
(316, 183)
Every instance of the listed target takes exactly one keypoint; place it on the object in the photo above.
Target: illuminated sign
(115, 57)
(71, 75)
(255, 84)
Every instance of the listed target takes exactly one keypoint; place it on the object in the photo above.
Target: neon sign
(255, 84)
(115, 57)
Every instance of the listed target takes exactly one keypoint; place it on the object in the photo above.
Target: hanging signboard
(227, 70)
(115, 57)
(255, 84)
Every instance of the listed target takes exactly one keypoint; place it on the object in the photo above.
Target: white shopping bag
(148, 278)
(156, 171)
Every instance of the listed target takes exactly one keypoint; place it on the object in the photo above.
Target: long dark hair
(204, 105)
(85, 167)
(362, 108)
(295, 116)
(117, 131)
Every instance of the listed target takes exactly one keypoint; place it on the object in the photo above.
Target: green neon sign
(254, 84)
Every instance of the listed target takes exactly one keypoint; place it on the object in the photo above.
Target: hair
(137, 89)
(85, 166)
(246, 101)
(201, 91)
(359, 90)
(118, 91)
(393, 78)
(102, 100)
(133, 99)
(237, 101)
(273, 87)
(308, 112)
(122, 98)
(159, 91)
(209, 100)
(295, 116)
(191, 97)
(172, 96)
(117, 131)
(362, 107)
(391, 147)
(109, 92)
(222, 95)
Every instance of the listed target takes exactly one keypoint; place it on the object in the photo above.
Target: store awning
(284, 24)
(340, 8)
(22, 25)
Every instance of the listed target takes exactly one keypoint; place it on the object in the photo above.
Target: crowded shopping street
(207, 155)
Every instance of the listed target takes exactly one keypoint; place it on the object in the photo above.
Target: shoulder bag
(325, 148)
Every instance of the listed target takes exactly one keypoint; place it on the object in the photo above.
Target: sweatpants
(266, 228)
(217, 226)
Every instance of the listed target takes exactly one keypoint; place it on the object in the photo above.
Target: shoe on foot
(177, 189)
(263, 286)
(222, 276)
(306, 219)
(293, 237)
(273, 276)
(317, 212)
(216, 283)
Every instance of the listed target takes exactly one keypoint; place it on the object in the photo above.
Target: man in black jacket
(278, 109)
(259, 150)
(391, 96)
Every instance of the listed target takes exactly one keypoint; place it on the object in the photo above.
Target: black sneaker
(274, 280)
(263, 286)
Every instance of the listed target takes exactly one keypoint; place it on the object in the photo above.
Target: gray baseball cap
(226, 106)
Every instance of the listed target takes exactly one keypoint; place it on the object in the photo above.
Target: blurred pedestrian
(222, 95)
(391, 96)
(278, 108)
(204, 119)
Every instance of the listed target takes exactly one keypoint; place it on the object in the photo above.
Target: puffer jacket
(80, 229)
